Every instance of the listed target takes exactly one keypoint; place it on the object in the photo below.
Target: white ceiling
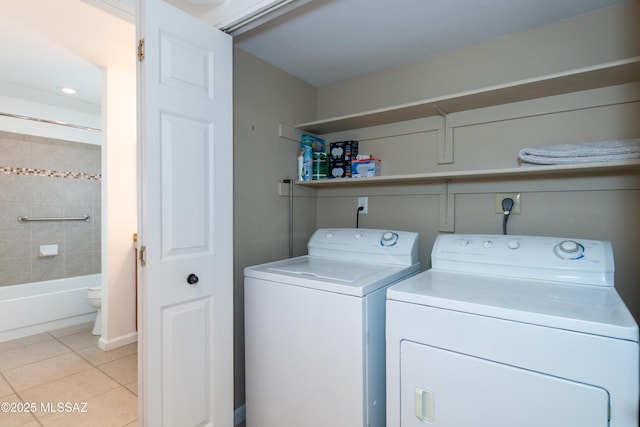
(49, 44)
(53, 43)
(330, 40)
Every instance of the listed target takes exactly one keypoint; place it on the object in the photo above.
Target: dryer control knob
(569, 246)
(513, 244)
(389, 238)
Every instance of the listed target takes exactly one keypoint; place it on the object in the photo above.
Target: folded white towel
(586, 152)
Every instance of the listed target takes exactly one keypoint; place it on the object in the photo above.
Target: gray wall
(45, 177)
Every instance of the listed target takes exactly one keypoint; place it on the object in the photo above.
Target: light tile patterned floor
(68, 381)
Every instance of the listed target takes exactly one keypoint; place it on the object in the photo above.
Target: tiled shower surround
(42, 177)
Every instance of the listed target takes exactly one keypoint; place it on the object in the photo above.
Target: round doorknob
(192, 279)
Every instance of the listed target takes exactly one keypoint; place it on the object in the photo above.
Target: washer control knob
(569, 246)
(513, 244)
(487, 243)
(569, 249)
(330, 234)
(389, 238)
(358, 236)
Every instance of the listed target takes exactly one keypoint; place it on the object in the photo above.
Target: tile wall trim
(50, 173)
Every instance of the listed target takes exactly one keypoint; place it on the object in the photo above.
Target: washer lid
(588, 309)
(345, 277)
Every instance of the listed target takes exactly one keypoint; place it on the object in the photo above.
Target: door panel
(186, 158)
(186, 66)
(175, 321)
(185, 122)
(446, 388)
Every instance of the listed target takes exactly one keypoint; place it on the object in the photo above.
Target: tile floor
(67, 381)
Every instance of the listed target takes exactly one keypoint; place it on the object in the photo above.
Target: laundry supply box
(365, 167)
(341, 154)
(317, 144)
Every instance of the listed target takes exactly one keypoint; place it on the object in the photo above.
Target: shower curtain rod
(52, 122)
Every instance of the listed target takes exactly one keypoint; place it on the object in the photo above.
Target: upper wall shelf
(511, 173)
(608, 74)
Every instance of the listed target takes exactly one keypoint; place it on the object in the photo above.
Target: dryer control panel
(571, 260)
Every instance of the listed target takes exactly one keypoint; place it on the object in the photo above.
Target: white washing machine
(508, 331)
(314, 329)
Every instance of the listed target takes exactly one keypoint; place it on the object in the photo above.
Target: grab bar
(71, 218)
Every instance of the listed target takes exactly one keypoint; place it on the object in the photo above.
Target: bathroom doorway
(51, 49)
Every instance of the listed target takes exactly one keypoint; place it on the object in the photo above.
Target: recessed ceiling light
(68, 90)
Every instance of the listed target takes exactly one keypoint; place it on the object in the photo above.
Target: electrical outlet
(363, 202)
(516, 202)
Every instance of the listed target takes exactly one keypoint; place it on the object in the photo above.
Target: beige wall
(588, 39)
(264, 97)
(119, 209)
(603, 207)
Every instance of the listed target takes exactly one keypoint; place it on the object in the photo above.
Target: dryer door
(445, 388)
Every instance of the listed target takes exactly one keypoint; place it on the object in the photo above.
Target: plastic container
(307, 163)
(320, 166)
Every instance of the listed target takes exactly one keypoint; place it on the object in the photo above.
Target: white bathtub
(37, 307)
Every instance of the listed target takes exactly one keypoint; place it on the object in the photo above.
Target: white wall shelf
(582, 79)
(593, 77)
(517, 172)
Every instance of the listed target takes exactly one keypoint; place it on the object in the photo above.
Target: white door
(185, 140)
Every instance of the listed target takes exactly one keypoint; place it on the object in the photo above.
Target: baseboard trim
(120, 341)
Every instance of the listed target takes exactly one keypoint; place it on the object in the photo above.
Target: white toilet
(94, 295)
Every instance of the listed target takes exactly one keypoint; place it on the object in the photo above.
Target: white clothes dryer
(314, 329)
(508, 331)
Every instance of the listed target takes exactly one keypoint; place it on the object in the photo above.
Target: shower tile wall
(42, 177)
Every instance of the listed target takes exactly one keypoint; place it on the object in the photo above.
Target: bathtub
(36, 307)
